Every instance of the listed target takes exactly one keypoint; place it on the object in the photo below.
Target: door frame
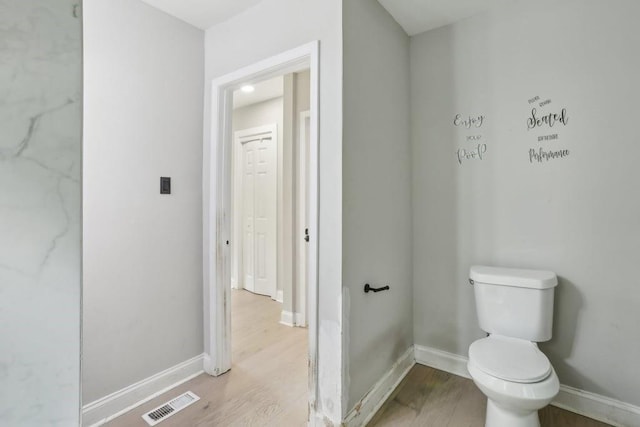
(301, 303)
(217, 205)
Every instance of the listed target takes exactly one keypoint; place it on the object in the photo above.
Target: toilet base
(499, 417)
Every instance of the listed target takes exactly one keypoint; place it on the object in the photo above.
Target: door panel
(259, 195)
(265, 215)
(248, 189)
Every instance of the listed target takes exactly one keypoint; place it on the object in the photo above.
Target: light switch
(165, 185)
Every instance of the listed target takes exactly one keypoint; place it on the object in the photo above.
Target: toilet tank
(514, 303)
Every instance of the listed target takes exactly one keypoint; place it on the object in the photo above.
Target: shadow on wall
(566, 314)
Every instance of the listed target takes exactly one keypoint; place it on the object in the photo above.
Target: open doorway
(269, 218)
(261, 251)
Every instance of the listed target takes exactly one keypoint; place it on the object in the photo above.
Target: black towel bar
(368, 288)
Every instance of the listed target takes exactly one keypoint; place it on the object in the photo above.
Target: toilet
(515, 308)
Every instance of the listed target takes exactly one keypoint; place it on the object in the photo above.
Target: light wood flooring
(267, 384)
(429, 397)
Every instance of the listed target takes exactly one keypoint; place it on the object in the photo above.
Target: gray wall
(143, 250)
(260, 114)
(376, 194)
(230, 46)
(576, 215)
(40, 199)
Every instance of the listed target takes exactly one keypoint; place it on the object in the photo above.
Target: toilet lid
(510, 359)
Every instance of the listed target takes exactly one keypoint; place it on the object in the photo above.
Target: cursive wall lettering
(548, 119)
(471, 154)
(541, 156)
(476, 121)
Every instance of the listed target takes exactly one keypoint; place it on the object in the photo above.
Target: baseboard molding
(115, 404)
(598, 407)
(280, 296)
(445, 361)
(581, 402)
(288, 318)
(364, 410)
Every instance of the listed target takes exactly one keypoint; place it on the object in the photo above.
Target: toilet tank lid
(534, 279)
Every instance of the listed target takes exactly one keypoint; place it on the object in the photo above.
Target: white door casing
(302, 202)
(217, 222)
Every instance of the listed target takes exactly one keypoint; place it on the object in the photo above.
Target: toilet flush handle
(471, 282)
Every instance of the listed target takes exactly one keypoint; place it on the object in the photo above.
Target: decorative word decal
(545, 120)
(541, 155)
(474, 153)
(478, 149)
(469, 121)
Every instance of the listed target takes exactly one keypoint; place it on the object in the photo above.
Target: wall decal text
(473, 153)
(474, 149)
(541, 155)
(542, 120)
(468, 122)
(537, 120)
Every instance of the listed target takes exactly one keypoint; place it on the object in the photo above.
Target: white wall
(255, 115)
(40, 255)
(577, 216)
(376, 194)
(143, 250)
(248, 38)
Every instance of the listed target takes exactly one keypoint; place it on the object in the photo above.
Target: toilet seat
(510, 359)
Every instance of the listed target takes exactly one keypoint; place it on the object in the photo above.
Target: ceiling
(203, 13)
(415, 16)
(264, 91)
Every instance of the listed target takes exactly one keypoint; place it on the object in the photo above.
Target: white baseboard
(581, 402)
(115, 404)
(442, 360)
(288, 318)
(280, 296)
(598, 407)
(375, 398)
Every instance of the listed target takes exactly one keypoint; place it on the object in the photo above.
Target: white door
(248, 207)
(259, 200)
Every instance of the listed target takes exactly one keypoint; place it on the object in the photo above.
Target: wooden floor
(267, 384)
(428, 397)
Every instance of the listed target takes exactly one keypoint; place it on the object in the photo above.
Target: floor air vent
(163, 412)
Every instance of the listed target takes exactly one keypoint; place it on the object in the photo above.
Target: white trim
(581, 402)
(598, 407)
(364, 410)
(115, 404)
(280, 296)
(442, 360)
(301, 302)
(289, 318)
(216, 203)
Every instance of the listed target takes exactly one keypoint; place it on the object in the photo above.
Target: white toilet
(516, 308)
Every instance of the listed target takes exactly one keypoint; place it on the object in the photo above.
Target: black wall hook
(368, 288)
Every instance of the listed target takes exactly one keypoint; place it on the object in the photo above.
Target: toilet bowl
(516, 377)
(515, 307)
